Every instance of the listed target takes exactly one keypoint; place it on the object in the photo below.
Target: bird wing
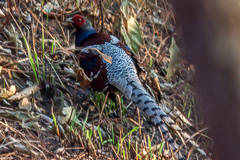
(95, 69)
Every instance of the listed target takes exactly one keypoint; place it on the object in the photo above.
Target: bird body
(122, 66)
(121, 74)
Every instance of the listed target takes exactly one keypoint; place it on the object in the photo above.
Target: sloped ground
(45, 114)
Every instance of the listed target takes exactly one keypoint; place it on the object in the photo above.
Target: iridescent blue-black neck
(83, 33)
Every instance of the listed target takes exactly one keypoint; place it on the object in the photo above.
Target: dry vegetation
(45, 114)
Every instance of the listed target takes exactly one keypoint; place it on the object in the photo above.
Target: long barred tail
(142, 99)
(134, 91)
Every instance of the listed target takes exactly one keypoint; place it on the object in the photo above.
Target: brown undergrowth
(44, 114)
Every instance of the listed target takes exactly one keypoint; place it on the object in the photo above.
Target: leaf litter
(34, 104)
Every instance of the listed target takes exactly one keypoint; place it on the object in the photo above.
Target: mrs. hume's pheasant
(121, 74)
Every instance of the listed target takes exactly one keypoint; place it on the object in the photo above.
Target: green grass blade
(161, 148)
(31, 59)
(100, 135)
(150, 146)
(133, 130)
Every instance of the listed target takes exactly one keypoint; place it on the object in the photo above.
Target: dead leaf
(64, 114)
(13, 36)
(46, 118)
(67, 114)
(180, 116)
(27, 16)
(82, 78)
(155, 84)
(68, 72)
(24, 93)
(36, 125)
(59, 150)
(7, 92)
(105, 57)
(21, 148)
(15, 115)
(24, 104)
(174, 59)
(17, 145)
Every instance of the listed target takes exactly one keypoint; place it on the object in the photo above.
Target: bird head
(83, 27)
(79, 21)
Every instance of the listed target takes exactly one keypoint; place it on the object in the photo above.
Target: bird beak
(69, 20)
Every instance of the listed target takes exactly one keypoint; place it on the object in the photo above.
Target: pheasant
(121, 74)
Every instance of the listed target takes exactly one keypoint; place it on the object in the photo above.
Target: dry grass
(58, 119)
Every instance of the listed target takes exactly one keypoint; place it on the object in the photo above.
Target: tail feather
(134, 91)
(174, 148)
(143, 100)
